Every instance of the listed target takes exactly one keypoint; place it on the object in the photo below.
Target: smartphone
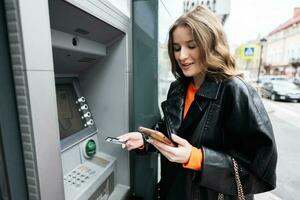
(113, 140)
(156, 136)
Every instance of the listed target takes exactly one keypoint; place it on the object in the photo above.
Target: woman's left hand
(179, 154)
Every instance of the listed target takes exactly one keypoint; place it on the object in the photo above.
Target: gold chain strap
(239, 186)
(221, 196)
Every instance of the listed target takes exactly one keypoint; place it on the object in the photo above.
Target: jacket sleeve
(247, 136)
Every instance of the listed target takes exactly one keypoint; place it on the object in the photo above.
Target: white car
(281, 90)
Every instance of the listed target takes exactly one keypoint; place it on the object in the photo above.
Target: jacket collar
(173, 106)
(210, 88)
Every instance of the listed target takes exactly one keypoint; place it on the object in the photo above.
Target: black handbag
(239, 186)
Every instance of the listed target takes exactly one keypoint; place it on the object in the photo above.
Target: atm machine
(80, 76)
(93, 79)
(92, 87)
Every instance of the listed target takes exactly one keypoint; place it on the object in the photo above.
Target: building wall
(283, 46)
(220, 7)
(282, 50)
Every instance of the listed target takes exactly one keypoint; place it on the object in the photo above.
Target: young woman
(213, 117)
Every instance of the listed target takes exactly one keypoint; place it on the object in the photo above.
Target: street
(285, 119)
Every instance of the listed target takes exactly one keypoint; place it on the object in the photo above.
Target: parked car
(280, 90)
(296, 80)
(267, 78)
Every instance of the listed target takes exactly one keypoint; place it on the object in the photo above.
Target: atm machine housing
(85, 46)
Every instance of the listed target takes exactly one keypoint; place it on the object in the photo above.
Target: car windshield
(267, 78)
(286, 85)
(278, 79)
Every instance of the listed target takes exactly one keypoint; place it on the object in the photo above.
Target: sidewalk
(268, 105)
(266, 196)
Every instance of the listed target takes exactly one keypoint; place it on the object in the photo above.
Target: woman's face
(187, 53)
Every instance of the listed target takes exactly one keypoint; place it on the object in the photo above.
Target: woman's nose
(183, 54)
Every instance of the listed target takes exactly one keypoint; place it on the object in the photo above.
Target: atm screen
(68, 115)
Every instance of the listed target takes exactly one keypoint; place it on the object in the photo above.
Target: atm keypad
(78, 176)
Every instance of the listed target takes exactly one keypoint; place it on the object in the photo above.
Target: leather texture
(227, 119)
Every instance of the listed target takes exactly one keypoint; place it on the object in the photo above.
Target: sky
(248, 19)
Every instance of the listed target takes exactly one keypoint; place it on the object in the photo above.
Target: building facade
(221, 7)
(282, 49)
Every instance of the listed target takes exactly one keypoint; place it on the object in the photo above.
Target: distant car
(280, 90)
(296, 80)
(267, 78)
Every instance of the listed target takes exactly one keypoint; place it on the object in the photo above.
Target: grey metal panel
(105, 11)
(105, 87)
(66, 41)
(111, 10)
(35, 27)
(31, 55)
(62, 15)
(70, 58)
(70, 158)
(46, 137)
(20, 79)
(12, 169)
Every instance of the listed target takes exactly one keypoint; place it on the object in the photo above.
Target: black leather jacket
(227, 119)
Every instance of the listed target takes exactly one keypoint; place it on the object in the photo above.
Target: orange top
(195, 160)
(196, 156)
(189, 98)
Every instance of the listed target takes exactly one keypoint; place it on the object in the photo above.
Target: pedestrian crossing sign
(248, 52)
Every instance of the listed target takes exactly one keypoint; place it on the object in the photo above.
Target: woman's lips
(186, 66)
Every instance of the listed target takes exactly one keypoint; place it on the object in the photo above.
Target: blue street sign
(249, 51)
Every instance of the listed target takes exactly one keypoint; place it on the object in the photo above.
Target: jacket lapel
(195, 113)
(173, 107)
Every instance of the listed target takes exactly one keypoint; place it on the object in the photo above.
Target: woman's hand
(132, 140)
(179, 154)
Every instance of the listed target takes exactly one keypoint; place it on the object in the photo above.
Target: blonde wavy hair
(209, 36)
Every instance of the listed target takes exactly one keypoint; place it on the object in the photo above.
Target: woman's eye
(177, 48)
(192, 46)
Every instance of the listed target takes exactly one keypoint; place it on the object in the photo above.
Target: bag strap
(239, 186)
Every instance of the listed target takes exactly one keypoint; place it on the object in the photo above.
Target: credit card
(113, 140)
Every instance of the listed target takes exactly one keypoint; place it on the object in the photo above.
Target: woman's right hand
(132, 140)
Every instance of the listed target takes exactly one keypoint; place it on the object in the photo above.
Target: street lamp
(262, 42)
